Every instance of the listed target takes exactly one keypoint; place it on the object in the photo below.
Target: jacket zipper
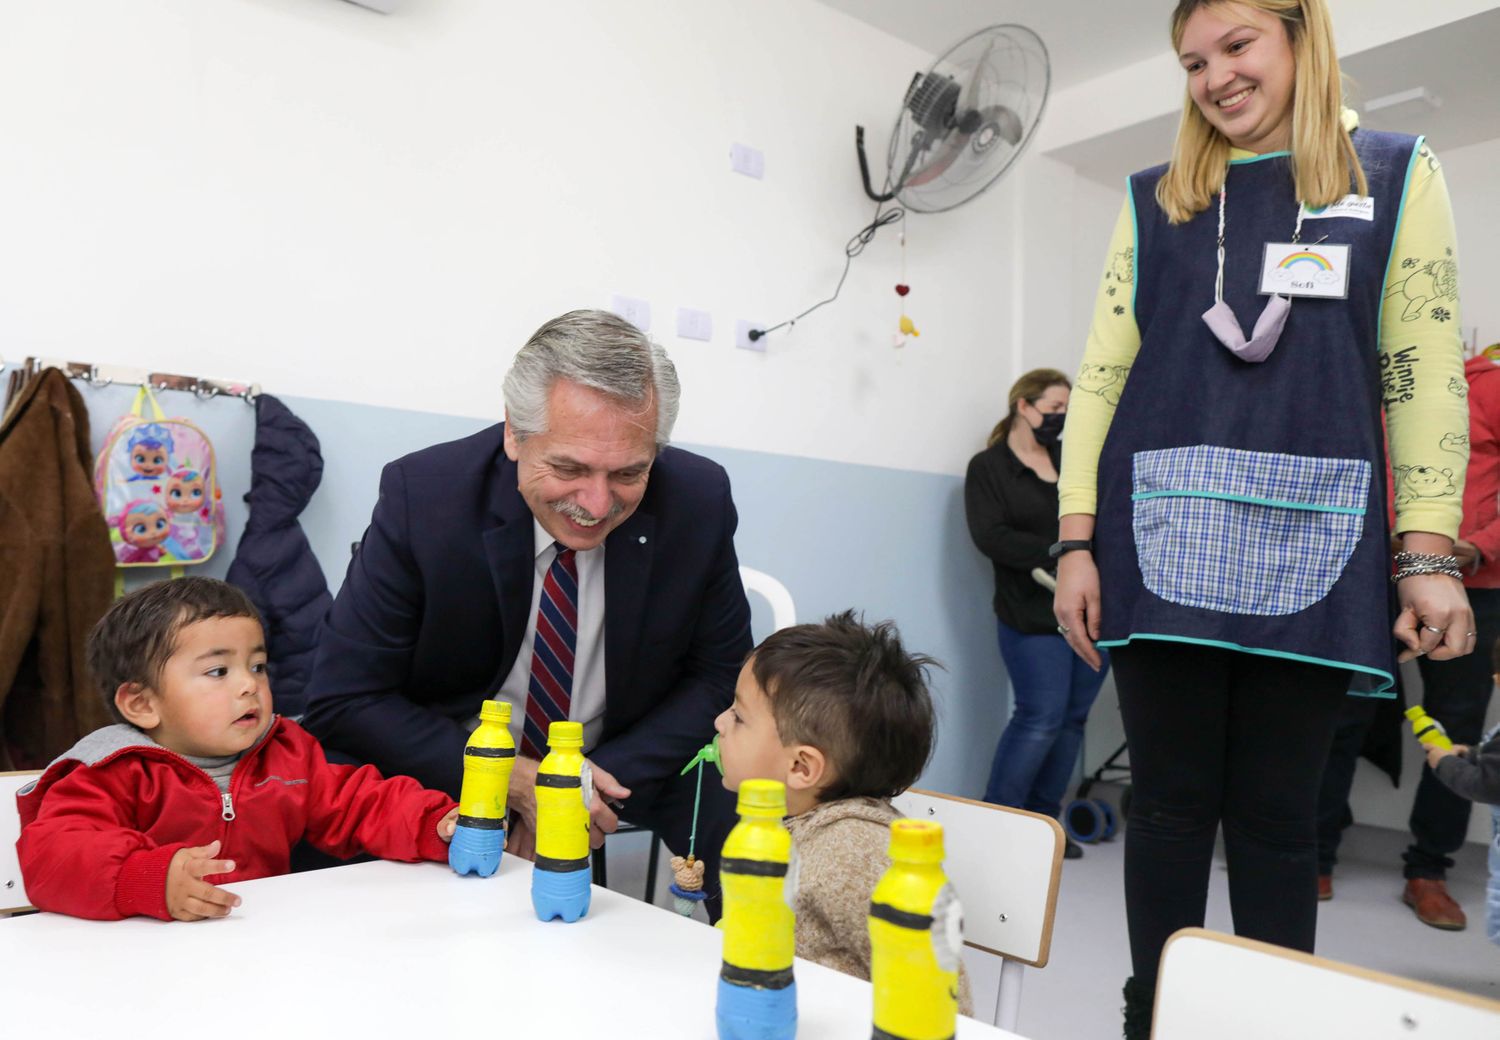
(228, 812)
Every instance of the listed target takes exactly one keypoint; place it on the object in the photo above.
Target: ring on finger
(1063, 630)
(1429, 628)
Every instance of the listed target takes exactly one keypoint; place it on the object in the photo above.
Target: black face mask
(1050, 430)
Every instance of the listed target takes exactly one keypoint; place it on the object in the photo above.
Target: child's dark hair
(134, 638)
(850, 690)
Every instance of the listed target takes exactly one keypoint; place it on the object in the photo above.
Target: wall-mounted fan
(962, 124)
(964, 121)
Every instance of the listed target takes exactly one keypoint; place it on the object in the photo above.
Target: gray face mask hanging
(1221, 319)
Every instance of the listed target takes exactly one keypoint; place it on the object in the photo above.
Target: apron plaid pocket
(1245, 532)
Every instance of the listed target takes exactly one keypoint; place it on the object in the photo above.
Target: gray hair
(595, 349)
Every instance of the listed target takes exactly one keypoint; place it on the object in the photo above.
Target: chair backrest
(12, 891)
(1217, 985)
(1005, 865)
(783, 611)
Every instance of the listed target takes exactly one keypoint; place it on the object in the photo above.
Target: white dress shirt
(587, 703)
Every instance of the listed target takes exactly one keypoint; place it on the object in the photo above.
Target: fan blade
(944, 152)
(1007, 124)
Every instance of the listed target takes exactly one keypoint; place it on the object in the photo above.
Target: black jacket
(274, 563)
(434, 609)
(1012, 516)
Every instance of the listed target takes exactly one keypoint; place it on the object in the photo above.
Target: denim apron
(1243, 505)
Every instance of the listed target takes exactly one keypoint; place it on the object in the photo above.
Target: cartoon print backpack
(155, 480)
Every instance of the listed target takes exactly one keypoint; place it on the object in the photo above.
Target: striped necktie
(550, 691)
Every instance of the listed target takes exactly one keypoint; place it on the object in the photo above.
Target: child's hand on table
(448, 824)
(189, 897)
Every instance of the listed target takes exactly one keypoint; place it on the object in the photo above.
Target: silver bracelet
(1414, 571)
(1408, 559)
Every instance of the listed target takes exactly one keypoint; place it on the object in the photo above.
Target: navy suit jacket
(431, 616)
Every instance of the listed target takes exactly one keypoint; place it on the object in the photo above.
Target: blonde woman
(1010, 499)
(1223, 500)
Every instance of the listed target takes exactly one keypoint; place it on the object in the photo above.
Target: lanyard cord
(1219, 280)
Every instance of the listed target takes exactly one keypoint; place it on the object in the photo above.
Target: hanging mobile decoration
(906, 326)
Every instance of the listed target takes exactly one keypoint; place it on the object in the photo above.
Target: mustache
(574, 511)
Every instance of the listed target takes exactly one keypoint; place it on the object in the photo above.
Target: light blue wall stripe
(890, 542)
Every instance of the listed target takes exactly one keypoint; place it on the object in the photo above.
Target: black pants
(1217, 736)
(1355, 716)
(1457, 694)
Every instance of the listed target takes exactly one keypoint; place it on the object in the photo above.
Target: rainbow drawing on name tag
(1296, 265)
(1318, 260)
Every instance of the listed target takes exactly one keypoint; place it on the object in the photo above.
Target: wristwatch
(1060, 548)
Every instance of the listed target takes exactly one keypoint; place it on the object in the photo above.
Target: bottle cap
(565, 735)
(916, 841)
(495, 711)
(1415, 712)
(762, 798)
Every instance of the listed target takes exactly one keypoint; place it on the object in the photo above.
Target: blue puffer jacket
(275, 564)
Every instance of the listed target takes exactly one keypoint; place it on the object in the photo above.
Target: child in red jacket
(199, 779)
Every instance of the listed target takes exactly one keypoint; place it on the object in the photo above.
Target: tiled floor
(1077, 994)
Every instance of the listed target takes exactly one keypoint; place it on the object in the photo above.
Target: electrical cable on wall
(853, 248)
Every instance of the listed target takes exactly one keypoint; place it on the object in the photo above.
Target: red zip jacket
(1481, 524)
(101, 824)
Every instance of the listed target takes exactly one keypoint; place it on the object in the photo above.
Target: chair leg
(651, 861)
(601, 869)
(1008, 999)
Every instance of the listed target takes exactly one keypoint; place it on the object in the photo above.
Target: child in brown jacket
(841, 714)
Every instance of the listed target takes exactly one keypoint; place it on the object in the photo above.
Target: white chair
(1217, 985)
(12, 891)
(783, 610)
(1005, 865)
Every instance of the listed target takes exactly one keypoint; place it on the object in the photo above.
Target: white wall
(379, 209)
(1471, 174)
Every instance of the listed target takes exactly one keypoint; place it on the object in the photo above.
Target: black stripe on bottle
(481, 823)
(758, 979)
(490, 752)
(561, 866)
(876, 1033)
(554, 780)
(900, 918)
(752, 867)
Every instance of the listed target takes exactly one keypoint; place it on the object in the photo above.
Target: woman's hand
(1435, 618)
(1076, 605)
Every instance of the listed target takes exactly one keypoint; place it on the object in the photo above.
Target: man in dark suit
(566, 561)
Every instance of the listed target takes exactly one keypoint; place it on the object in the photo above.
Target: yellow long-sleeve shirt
(1422, 364)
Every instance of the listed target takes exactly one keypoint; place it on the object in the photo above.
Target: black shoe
(1138, 1009)
(1071, 849)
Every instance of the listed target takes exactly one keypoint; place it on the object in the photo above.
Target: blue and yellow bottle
(757, 993)
(916, 932)
(1427, 729)
(561, 878)
(489, 758)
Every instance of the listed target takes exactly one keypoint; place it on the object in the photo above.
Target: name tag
(1355, 207)
(1297, 269)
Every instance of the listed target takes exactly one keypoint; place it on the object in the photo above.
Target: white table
(393, 949)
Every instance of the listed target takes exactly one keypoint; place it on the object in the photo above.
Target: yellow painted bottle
(561, 879)
(758, 872)
(489, 758)
(1427, 729)
(916, 933)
